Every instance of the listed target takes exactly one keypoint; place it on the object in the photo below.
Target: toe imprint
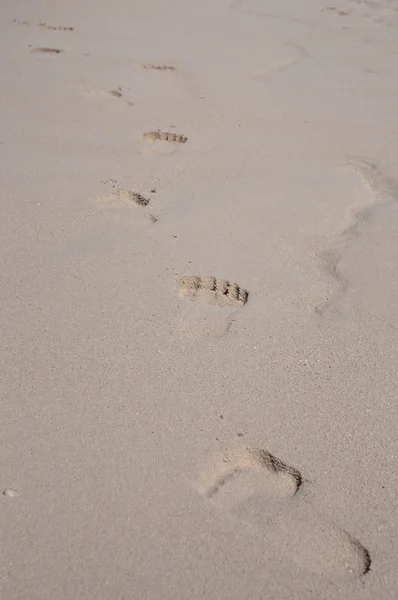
(159, 67)
(47, 50)
(215, 291)
(152, 136)
(132, 197)
(56, 27)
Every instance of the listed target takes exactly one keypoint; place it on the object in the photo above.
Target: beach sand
(199, 300)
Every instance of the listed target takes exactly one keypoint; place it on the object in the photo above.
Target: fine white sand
(171, 440)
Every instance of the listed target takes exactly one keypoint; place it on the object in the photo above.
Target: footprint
(164, 136)
(214, 291)
(21, 22)
(159, 67)
(55, 27)
(162, 143)
(10, 493)
(254, 487)
(236, 475)
(138, 198)
(336, 11)
(293, 528)
(45, 26)
(108, 95)
(115, 93)
(206, 315)
(47, 50)
(123, 201)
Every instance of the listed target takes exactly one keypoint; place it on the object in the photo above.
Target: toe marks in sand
(116, 93)
(46, 50)
(164, 136)
(55, 27)
(128, 196)
(45, 26)
(336, 11)
(159, 67)
(139, 199)
(122, 200)
(212, 290)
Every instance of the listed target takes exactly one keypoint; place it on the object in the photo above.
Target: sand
(236, 439)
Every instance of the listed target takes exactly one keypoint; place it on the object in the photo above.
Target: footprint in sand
(10, 493)
(122, 201)
(336, 11)
(46, 50)
(209, 305)
(162, 143)
(45, 25)
(109, 96)
(235, 475)
(55, 27)
(164, 136)
(159, 67)
(253, 486)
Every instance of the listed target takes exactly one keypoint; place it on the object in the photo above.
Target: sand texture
(199, 300)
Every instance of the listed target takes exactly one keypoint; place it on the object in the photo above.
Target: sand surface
(199, 325)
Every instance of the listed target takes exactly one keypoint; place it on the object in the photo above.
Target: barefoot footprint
(254, 486)
(162, 143)
(209, 305)
(295, 528)
(109, 96)
(151, 66)
(245, 471)
(125, 202)
(46, 50)
(164, 136)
